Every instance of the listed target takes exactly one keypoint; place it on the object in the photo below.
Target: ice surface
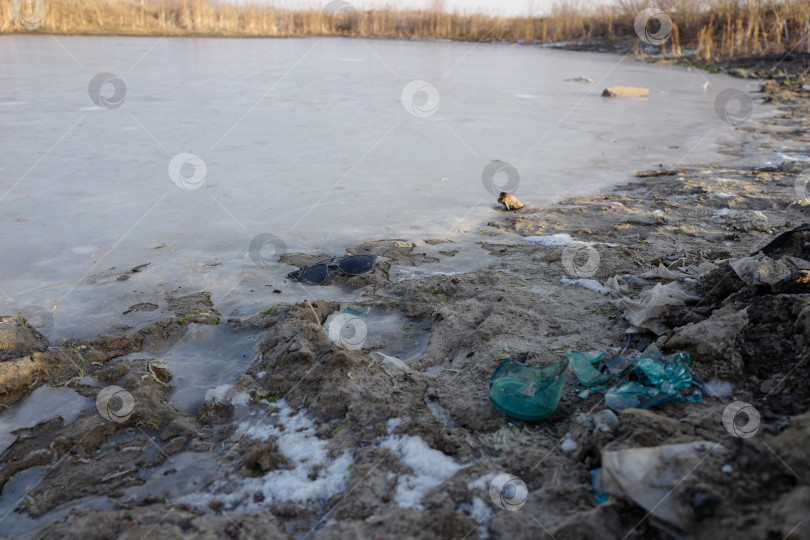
(42, 404)
(299, 143)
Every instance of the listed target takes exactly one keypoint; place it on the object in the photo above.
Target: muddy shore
(375, 427)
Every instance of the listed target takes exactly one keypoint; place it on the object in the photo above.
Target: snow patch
(430, 468)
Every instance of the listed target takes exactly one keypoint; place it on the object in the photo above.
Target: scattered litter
(701, 269)
(586, 393)
(596, 484)
(760, 269)
(585, 372)
(590, 284)
(617, 285)
(662, 272)
(391, 361)
(527, 392)
(626, 91)
(744, 220)
(656, 478)
(661, 379)
(568, 445)
(718, 388)
(404, 245)
(793, 242)
(727, 468)
(642, 313)
(580, 78)
(605, 421)
(648, 218)
(619, 366)
(551, 240)
(510, 201)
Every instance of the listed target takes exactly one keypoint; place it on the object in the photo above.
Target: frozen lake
(178, 152)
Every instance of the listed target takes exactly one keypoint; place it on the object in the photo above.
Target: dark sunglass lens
(314, 275)
(357, 264)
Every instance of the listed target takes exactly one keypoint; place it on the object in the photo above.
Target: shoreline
(528, 306)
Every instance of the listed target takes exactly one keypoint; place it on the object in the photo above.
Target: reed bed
(708, 29)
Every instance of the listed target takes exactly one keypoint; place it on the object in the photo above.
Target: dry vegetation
(708, 29)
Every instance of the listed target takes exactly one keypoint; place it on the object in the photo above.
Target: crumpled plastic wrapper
(662, 272)
(642, 313)
(655, 477)
(760, 269)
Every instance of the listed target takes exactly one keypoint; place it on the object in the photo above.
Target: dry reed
(707, 29)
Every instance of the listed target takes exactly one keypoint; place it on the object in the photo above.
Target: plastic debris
(662, 272)
(617, 286)
(619, 366)
(635, 395)
(527, 392)
(791, 242)
(648, 218)
(596, 483)
(391, 361)
(586, 393)
(760, 269)
(642, 313)
(605, 421)
(583, 368)
(661, 379)
(590, 284)
(701, 269)
(568, 445)
(580, 79)
(657, 478)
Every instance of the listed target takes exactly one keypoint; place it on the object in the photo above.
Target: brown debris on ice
(626, 91)
(510, 201)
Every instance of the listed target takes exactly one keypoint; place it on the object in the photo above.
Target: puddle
(42, 404)
(207, 357)
(382, 329)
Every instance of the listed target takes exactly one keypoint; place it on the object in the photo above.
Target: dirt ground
(753, 334)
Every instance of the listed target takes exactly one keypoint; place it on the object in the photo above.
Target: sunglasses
(351, 265)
